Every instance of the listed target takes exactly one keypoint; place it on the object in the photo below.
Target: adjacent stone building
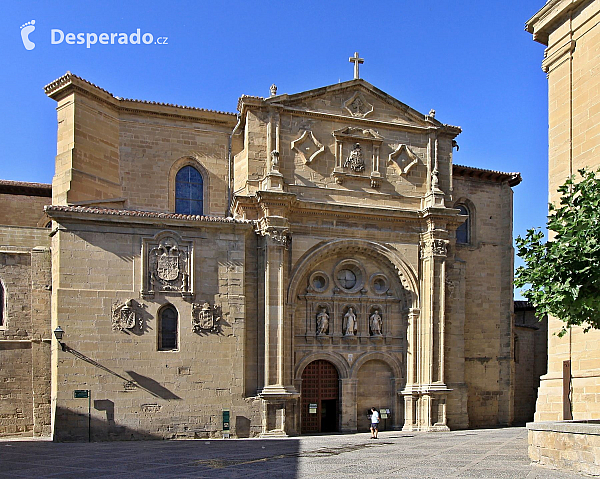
(571, 388)
(276, 271)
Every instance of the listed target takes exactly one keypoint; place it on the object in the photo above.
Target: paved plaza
(489, 453)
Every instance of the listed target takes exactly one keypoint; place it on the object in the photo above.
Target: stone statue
(350, 322)
(322, 322)
(375, 322)
(355, 160)
(275, 160)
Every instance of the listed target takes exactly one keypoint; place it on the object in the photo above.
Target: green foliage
(562, 275)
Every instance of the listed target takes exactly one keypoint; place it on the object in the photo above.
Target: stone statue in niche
(355, 160)
(350, 325)
(204, 318)
(168, 266)
(375, 323)
(274, 160)
(124, 316)
(322, 322)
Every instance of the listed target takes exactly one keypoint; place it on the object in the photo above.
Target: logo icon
(26, 29)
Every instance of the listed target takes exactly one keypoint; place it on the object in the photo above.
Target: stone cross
(357, 61)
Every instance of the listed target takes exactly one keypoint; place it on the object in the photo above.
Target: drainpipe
(230, 166)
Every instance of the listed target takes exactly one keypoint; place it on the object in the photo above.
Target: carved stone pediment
(308, 146)
(358, 106)
(358, 134)
(404, 158)
(126, 315)
(167, 265)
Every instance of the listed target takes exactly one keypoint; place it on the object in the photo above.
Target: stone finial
(432, 113)
(273, 89)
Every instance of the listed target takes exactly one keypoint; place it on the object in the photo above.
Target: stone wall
(572, 445)
(570, 61)
(488, 263)
(531, 359)
(137, 390)
(25, 332)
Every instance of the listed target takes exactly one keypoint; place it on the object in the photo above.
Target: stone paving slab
(486, 453)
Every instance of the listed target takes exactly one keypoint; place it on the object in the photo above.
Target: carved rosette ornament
(125, 316)
(168, 265)
(434, 247)
(205, 318)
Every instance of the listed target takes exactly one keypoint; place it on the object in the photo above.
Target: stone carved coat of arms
(125, 316)
(168, 266)
(205, 317)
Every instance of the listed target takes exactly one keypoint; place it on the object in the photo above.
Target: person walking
(374, 423)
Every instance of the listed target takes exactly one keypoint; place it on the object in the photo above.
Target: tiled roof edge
(142, 214)
(513, 178)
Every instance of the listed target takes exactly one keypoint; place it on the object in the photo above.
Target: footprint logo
(26, 29)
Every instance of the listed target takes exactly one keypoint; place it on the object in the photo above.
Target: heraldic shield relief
(168, 265)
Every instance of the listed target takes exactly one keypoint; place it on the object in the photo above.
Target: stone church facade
(276, 271)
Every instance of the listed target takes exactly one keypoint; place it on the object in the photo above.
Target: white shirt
(375, 417)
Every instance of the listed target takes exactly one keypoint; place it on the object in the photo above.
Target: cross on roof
(357, 61)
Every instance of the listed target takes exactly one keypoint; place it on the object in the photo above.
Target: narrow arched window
(463, 232)
(2, 308)
(168, 328)
(188, 191)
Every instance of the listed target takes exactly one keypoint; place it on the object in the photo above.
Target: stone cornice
(544, 21)
(69, 83)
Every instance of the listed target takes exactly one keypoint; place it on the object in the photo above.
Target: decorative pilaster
(279, 394)
(425, 391)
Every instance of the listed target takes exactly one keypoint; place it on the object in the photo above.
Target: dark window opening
(463, 232)
(168, 328)
(189, 191)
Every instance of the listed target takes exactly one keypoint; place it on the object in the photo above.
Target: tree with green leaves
(562, 275)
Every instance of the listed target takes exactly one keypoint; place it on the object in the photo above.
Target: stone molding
(312, 149)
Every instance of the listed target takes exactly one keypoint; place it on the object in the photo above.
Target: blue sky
(471, 61)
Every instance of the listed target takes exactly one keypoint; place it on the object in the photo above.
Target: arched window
(188, 191)
(168, 328)
(463, 232)
(2, 295)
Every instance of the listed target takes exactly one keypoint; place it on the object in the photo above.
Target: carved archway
(313, 256)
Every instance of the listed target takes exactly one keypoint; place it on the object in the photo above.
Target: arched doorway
(320, 398)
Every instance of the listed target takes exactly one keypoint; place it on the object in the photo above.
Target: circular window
(346, 278)
(349, 276)
(380, 283)
(319, 281)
